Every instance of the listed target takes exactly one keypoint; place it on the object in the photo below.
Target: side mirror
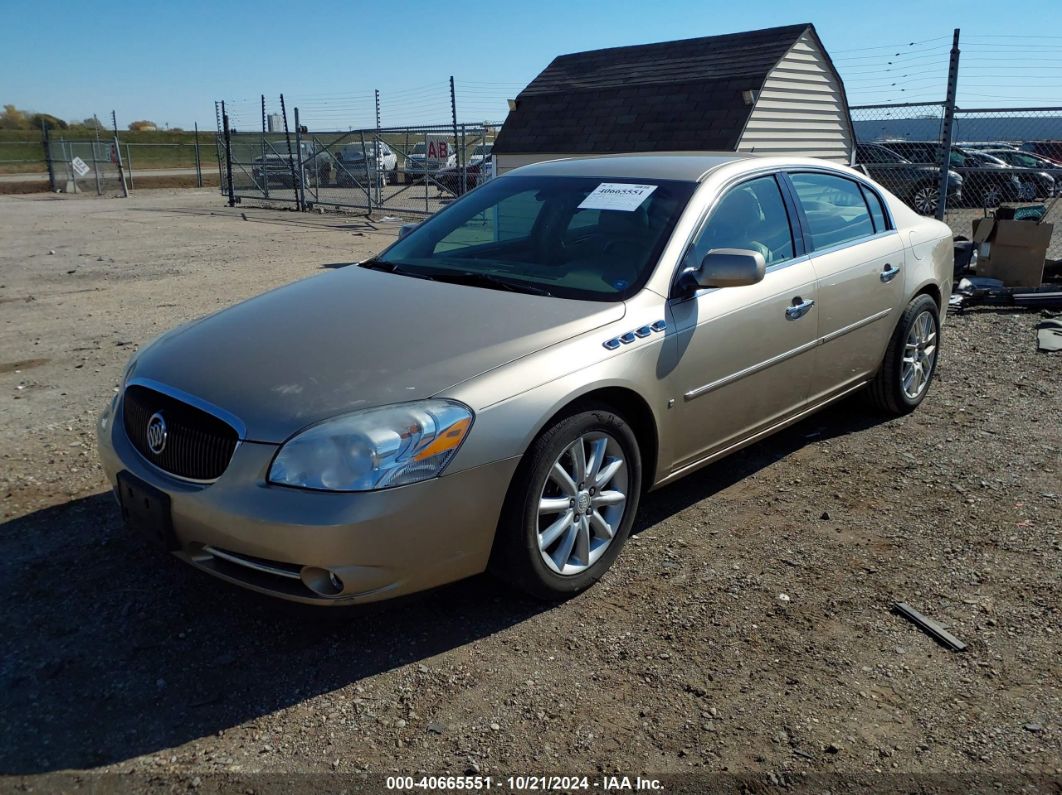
(727, 267)
(405, 229)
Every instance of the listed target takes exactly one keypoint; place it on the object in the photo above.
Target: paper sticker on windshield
(617, 196)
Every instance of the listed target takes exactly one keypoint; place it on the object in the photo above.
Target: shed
(771, 91)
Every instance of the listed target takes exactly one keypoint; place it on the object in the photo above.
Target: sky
(169, 62)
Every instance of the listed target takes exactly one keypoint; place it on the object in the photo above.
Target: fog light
(322, 582)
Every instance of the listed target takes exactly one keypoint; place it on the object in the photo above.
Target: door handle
(888, 273)
(799, 308)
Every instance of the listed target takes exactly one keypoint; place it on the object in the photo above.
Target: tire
(890, 390)
(991, 197)
(924, 199)
(574, 536)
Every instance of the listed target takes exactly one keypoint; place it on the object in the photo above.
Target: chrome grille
(198, 444)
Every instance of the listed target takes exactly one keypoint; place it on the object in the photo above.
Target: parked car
(1047, 176)
(1052, 150)
(1034, 184)
(275, 165)
(983, 186)
(983, 145)
(481, 153)
(426, 159)
(543, 350)
(915, 184)
(357, 164)
(476, 170)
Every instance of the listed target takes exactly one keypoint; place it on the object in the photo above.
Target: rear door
(858, 259)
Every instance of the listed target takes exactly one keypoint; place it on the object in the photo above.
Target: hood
(355, 338)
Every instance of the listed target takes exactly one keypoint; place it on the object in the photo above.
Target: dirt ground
(746, 628)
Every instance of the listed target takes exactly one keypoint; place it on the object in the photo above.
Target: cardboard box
(1013, 251)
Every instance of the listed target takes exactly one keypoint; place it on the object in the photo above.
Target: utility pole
(947, 132)
(118, 156)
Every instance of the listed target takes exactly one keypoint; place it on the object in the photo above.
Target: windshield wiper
(377, 265)
(488, 280)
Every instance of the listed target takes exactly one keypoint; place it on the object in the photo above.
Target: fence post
(69, 164)
(118, 154)
(368, 174)
(198, 162)
(228, 154)
(129, 163)
(453, 120)
(291, 159)
(948, 130)
(96, 168)
(298, 154)
(47, 144)
(217, 145)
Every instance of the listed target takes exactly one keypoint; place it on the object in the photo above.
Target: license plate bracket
(146, 510)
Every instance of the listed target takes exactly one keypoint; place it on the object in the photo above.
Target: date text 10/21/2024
(524, 783)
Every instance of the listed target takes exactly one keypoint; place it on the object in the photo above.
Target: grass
(22, 152)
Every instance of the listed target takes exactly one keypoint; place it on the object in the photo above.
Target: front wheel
(571, 506)
(910, 361)
(924, 199)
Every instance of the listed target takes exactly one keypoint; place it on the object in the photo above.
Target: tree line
(14, 119)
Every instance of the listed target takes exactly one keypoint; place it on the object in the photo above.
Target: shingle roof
(672, 95)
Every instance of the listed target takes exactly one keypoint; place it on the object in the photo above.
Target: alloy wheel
(582, 503)
(925, 200)
(919, 355)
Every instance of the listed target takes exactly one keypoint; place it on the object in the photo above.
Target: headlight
(374, 449)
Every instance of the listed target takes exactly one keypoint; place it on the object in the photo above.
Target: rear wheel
(571, 505)
(910, 361)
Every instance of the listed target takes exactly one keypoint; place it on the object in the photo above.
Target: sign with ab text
(80, 166)
(438, 150)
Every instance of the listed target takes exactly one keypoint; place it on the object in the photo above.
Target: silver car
(498, 388)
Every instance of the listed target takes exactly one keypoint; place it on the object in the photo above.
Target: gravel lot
(687, 656)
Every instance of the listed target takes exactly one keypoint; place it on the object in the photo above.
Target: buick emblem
(156, 433)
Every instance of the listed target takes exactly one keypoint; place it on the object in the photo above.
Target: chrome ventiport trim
(256, 565)
(611, 344)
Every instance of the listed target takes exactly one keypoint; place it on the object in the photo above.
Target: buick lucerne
(498, 388)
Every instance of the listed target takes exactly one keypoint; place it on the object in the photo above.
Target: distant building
(772, 91)
(275, 122)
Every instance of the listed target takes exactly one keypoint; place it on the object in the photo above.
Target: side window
(510, 220)
(834, 208)
(877, 211)
(751, 216)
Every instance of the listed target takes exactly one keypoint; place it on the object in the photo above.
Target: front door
(739, 360)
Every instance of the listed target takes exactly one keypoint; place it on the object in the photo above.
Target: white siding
(801, 110)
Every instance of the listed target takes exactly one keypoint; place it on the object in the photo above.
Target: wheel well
(933, 292)
(633, 408)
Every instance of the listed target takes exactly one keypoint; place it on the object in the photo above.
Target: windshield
(549, 235)
(419, 149)
(482, 150)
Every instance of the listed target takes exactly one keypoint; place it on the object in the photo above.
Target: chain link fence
(409, 170)
(1008, 157)
(59, 163)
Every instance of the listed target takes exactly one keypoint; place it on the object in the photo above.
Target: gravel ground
(746, 628)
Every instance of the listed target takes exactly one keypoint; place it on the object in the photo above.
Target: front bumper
(284, 542)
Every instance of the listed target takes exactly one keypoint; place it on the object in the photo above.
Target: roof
(683, 166)
(669, 96)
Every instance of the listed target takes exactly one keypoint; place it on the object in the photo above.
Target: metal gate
(400, 170)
